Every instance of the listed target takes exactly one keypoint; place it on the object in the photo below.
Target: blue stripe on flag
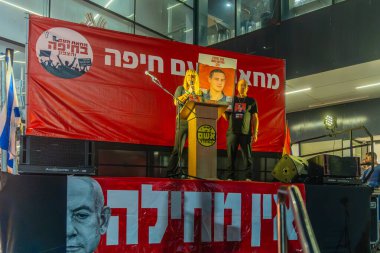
(5, 132)
(10, 164)
(9, 118)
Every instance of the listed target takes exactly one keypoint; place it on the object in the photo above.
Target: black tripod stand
(344, 241)
(179, 169)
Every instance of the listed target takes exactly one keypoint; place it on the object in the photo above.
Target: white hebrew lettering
(256, 76)
(116, 54)
(177, 67)
(256, 220)
(270, 80)
(245, 76)
(159, 201)
(130, 201)
(267, 206)
(201, 200)
(131, 60)
(175, 205)
(233, 201)
(113, 231)
(160, 63)
(142, 59)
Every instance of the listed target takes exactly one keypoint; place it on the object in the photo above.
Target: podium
(202, 150)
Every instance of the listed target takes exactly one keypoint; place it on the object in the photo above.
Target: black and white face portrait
(87, 217)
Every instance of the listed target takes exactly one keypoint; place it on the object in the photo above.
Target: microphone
(150, 75)
(366, 163)
(192, 87)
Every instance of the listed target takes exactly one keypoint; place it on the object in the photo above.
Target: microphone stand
(181, 174)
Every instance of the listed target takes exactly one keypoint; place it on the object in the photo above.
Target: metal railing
(351, 147)
(305, 230)
(337, 133)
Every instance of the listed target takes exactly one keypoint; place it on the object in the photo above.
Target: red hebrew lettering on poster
(163, 215)
(89, 83)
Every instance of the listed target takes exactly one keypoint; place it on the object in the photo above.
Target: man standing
(217, 80)
(87, 217)
(243, 124)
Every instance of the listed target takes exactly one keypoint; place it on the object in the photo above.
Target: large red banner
(163, 215)
(89, 83)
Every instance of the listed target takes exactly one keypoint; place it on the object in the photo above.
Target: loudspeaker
(56, 156)
(289, 169)
(335, 166)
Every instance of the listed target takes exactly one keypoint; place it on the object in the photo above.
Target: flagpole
(9, 118)
(3, 95)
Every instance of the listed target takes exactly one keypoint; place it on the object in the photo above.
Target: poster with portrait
(216, 78)
(81, 214)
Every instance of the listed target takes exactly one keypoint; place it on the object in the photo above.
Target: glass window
(293, 8)
(188, 2)
(125, 8)
(18, 70)
(168, 17)
(12, 18)
(76, 11)
(144, 32)
(253, 14)
(217, 21)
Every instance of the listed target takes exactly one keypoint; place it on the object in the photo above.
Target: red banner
(89, 83)
(163, 215)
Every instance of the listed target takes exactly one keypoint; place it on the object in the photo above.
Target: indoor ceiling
(334, 87)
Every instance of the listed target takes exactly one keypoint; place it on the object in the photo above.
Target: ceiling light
(105, 6)
(171, 7)
(21, 8)
(338, 101)
(108, 4)
(228, 4)
(296, 91)
(367, 86)
(175, 5)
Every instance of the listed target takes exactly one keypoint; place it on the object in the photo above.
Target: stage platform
(173, 215)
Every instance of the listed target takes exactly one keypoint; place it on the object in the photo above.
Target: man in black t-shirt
(243, 125)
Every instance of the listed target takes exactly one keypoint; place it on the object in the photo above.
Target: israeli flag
(9, 117)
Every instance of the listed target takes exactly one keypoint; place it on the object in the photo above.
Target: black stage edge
(32, 213)
(340, 216)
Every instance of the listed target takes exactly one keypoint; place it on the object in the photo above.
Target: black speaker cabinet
(334, 166)
(56, 156)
